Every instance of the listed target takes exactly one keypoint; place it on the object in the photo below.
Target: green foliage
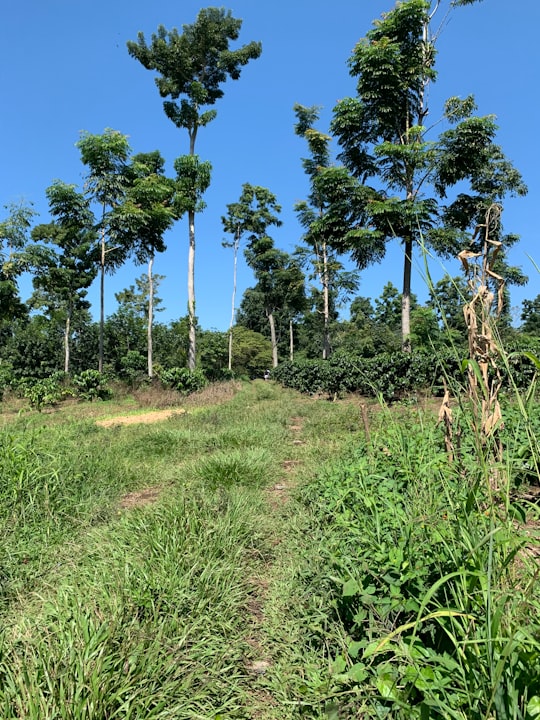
(146, 211)
(42, 392)
(388, 375)
(393, 375)
(413, 586)
(91, 385)
(384, 141)
(194, 64)
(530, 316)
(6, 378)
(183, 380)
(192, 180)
(14, 232)
(133, 367)
(106, 157)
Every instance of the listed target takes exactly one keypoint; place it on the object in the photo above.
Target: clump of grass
(251, 467)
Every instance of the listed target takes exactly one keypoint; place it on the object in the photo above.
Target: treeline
(364, 351)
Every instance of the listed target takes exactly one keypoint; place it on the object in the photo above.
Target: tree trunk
(273, 338)
(291, 340)
(191, 292)
(236, 243)
(326, 304)
(406, 298)
(102, 302)
(150, 317)
(67, 331)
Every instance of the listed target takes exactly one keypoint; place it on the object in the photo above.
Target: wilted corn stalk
(481, 314)
(446, 418)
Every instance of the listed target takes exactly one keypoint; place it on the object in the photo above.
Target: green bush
(6, 378)
(133, 368)
(91, 385)
(183, 380)
(390, 375)
(41, 391)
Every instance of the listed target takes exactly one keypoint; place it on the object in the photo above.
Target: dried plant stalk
(481, 314)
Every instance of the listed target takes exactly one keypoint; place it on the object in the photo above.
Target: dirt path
(266, 573)
(141, 418)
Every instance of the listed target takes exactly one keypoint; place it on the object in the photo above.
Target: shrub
(183, 380)
(91, 385)
(133, 368)
(389, 375)
(42, 391)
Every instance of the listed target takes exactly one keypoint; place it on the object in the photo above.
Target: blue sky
(64, 68)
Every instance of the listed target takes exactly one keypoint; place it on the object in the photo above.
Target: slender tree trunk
(273, 338)
(150, 317)
(408, 242)
(326, 304)
(67, 331)
(101, 302)
(406, 298)
(236, 242)
(192, 349)
(191, 293)
(291, 340)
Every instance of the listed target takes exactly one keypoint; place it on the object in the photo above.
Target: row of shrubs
(392, 375)
(89, 385)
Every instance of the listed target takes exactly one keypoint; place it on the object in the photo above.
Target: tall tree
(192, 66)
(385, 144)
(63, 263)
(279, 281)
(332, 213)
(250, 217)
(14, 233)
(140, 221)
(127, 328)
(106, 156)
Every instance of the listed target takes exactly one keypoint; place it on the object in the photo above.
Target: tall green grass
(140, 612)
(149, 624)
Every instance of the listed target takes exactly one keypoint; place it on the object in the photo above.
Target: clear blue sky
(64, 67)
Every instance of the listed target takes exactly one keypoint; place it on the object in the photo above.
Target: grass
(283, 566)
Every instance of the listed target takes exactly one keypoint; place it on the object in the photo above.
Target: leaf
(350, 588)
(533, 358)
(533, 706)
(374, 648)
(357, 673)
(386, 685)
(473, 364)
(339, 665)
(354, 648)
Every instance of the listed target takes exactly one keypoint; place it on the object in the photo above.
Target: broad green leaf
(354, 648)
(357, 673)
(350, 588)
(533, 706)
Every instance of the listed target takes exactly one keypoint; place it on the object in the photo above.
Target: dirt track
(140, 418)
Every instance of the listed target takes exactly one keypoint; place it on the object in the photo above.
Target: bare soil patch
(138, 498)
(141, 418)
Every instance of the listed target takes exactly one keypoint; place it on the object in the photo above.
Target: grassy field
(261, 555)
